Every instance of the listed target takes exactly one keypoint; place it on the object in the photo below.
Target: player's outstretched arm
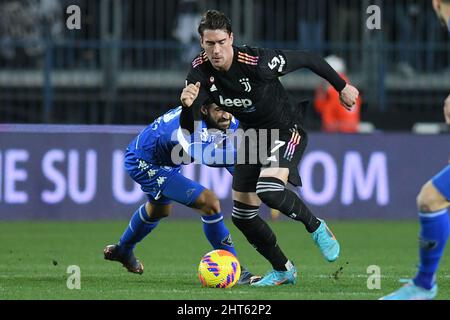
(295, 59)
(348, 94)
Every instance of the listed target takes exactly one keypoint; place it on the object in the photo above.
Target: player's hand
(447, 110)
(348, 97)
(189, 94)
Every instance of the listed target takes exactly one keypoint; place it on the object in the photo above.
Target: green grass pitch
(34, 257)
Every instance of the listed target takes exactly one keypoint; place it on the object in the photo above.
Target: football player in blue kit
(433, 202)
(153, 160)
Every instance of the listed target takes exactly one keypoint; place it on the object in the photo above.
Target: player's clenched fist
(189, 94)
(348, 97)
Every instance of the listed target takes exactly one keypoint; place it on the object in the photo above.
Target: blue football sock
(217, 233)
(434, 233)
(139, 227)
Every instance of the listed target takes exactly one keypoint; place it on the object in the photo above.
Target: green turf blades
(171, 255)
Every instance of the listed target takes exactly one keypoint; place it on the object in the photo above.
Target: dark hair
(214, 20)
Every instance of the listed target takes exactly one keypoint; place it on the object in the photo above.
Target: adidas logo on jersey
(235, 102)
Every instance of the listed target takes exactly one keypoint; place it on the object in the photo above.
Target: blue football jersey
(211, 147)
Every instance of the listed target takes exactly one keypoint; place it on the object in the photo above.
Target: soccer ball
(219, 269)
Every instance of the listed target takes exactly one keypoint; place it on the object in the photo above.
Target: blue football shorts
(442, 182)
(162, 184)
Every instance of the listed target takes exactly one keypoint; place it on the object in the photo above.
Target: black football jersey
(251, 89)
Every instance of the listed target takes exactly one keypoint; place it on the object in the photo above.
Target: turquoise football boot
(412, 292)
(326, 241)
(276, 278)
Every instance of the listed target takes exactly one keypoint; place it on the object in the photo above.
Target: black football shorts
(282, 148)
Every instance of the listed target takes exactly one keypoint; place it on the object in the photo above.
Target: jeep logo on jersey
(235, 102)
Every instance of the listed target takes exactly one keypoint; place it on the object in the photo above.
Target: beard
(216, 125)
(223, 125)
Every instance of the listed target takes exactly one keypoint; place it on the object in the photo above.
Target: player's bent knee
(250, 198)
(271, 199)
(429, 199)
(269, 190)
(207, 203)
(158, 211)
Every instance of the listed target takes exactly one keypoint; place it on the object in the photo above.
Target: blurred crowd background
(128, 62)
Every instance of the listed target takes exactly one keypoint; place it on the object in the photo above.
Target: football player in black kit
(244, 81)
